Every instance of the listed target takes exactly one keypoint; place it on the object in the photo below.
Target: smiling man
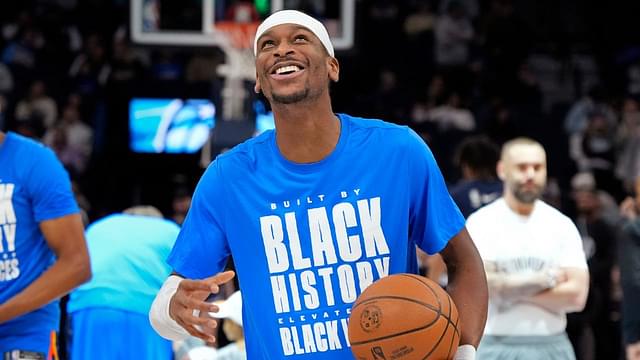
(313, 213)
(536, 268)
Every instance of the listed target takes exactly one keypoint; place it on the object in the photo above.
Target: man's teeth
(287, 69)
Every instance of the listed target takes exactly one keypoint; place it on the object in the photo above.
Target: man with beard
(313, 213)
(535, 264)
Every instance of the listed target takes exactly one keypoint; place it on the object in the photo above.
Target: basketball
(406, 317)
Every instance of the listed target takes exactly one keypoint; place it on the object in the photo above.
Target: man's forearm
(468, 291)
(568, 296)
(513, 287)
(58, 280)
(159, 316)
(467, 286)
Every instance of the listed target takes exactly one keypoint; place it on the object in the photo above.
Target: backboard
(195, 22)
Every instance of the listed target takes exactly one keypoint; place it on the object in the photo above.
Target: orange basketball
(404, 317)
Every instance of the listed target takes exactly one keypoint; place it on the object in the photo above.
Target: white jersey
(521, 244)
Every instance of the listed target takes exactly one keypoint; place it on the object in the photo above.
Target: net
(237, 43)
(239, 35)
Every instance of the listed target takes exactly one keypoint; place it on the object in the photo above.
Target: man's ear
(501, 170)
(257, 87)
(334, 69)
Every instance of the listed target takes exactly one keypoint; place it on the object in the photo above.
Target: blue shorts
(103, 333)
(37, 341)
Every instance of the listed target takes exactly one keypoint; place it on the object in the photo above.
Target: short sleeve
(481, 234)
(201, 249)
(572, 252)
(49, 186)
(434, 216)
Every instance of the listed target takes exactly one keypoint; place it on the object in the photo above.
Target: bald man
(536, 268)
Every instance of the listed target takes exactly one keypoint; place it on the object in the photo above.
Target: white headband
(298, 18)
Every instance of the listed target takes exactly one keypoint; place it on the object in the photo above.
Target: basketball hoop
(237, 44)
(239, 35)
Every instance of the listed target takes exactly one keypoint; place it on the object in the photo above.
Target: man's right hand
(190, 296)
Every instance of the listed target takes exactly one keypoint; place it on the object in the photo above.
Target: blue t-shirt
(128, 255)
(34, 187)
(307, 239)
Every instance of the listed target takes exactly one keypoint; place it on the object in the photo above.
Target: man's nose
(284, 48)
(530, 171)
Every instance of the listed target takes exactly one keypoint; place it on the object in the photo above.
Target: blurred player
(476, 158)
(109, 313)
(43, 254)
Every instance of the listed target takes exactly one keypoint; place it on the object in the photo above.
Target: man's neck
(306, 134)
(2, 136)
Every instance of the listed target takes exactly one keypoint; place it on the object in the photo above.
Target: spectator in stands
(432, 97)
(628, 159)
(452, 115)
(453, 34)
(127, 64)
(37, 104)
(89, 69)
(21, 51)
(594, 100)
(72, 140)
(593, 150)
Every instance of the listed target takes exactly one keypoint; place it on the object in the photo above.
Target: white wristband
(465, 352)
(159, 317)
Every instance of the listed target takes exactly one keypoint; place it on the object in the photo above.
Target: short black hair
(480, 154)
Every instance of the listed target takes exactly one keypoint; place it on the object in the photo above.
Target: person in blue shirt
(109, 313)
(43, 254)
(313, 212)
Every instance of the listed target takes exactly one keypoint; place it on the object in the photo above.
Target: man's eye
(300, 38)
(267, 43)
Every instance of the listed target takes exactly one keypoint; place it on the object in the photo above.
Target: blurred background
(565, 73)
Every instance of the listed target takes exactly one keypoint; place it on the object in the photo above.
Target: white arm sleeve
(465, 352)
(159, 317)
